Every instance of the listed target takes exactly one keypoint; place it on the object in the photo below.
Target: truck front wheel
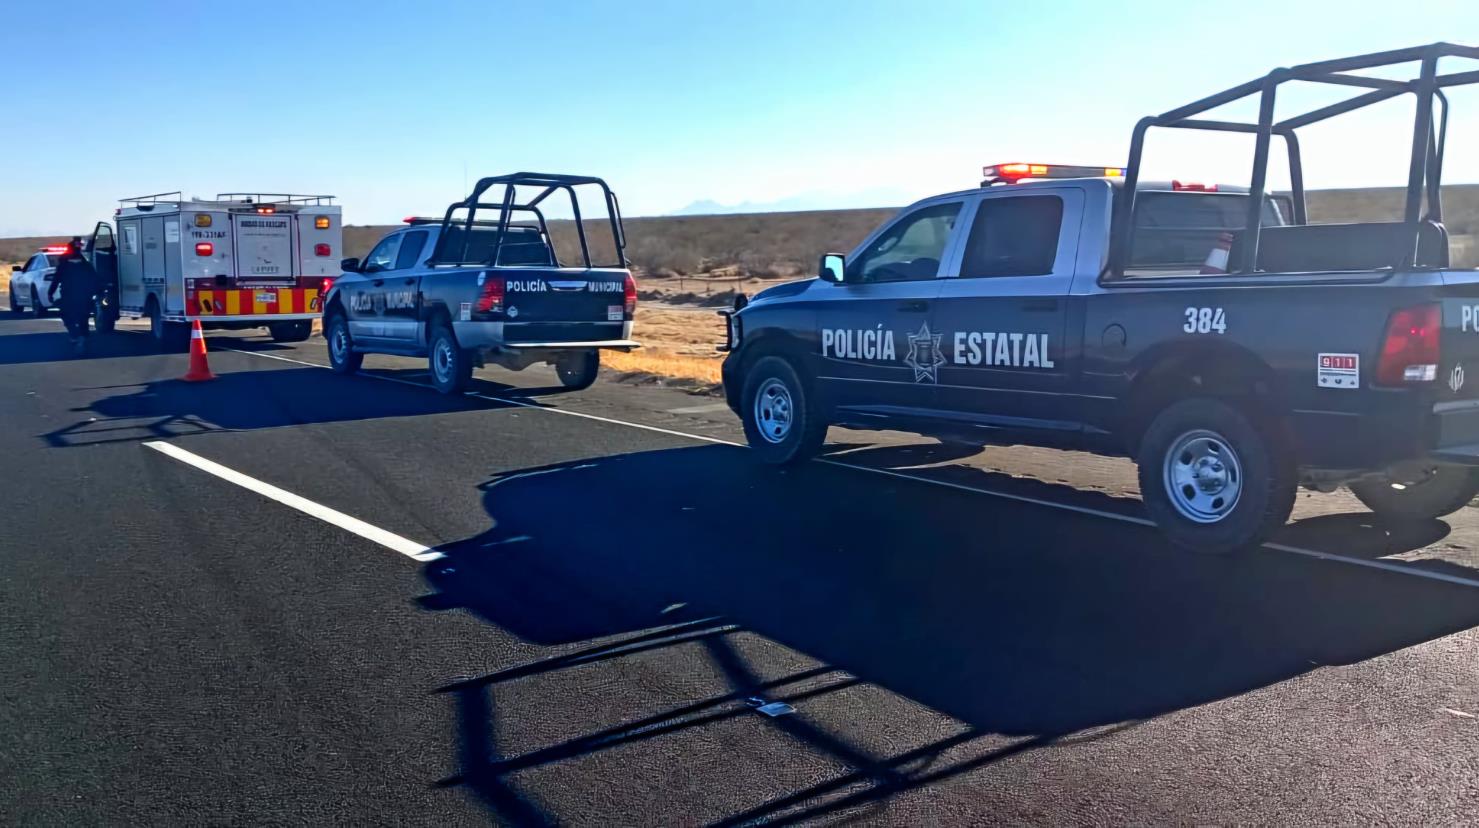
(343, 359)
(782, 423)
(1441, 490)
(1215, 478)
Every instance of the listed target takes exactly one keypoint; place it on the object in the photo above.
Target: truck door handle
(410, 281)
(378, 282)
(1040, 305)
(916, 306)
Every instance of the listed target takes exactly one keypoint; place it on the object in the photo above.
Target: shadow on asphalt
(53, 346)
(1015, 620)
(245, 401)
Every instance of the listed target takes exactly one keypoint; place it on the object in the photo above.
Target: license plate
(266, 296)
(614, 313)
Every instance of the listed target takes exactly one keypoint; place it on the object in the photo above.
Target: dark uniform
(78, 283)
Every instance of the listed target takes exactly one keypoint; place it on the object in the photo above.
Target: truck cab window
(1014, 236)
(909, 250)
(411, 244)
(383, 257)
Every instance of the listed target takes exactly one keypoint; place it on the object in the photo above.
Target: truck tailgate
(563, 297)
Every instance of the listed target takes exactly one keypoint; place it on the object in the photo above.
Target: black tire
(1216, 445)
(1444, 491)
(38, 310)
(451, 367)
(296, 331)
(579, 369)
(342, 356)
(782, 423)
(169, 337)
(104, 319)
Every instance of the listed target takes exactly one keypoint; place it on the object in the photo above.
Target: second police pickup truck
(1232, 348)
(463, 291)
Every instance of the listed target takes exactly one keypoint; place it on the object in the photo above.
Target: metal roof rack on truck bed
(1425, 166)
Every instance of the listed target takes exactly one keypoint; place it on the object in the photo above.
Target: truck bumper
(1445, 432)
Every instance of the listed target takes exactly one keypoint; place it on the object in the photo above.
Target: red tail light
(629, 289)
(490, 297)
(1193, 187)
(1410, 352)
(322, 250)
(323, 287)
(204, 248)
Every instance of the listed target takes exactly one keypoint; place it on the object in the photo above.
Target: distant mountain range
(882, 197)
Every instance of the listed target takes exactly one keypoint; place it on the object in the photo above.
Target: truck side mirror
(831, 268)
(17, 268)
(349, 265)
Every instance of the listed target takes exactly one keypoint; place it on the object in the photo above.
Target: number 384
(1205, 320)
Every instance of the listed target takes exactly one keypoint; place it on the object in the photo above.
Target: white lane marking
(389, 540)
(699, 409)
(1384, 566)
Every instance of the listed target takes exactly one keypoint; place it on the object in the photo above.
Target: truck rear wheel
(451, 367)
(296, 331)
(342, 356)
(104, 318)
(1441, 491)
(578, 370)
(169, 337)
(1215, 478)
(782, 424)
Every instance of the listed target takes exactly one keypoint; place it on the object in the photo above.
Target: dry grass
(704, 372)
(675, 343)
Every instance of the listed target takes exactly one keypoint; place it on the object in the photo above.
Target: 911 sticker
(1339, 371)
(465, 311)
(614, 313)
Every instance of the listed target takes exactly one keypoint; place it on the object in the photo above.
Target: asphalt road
(288, 596)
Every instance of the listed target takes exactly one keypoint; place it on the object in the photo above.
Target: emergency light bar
(56, 249)
(1014, 172)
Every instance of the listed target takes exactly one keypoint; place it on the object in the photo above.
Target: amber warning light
(1016, 171)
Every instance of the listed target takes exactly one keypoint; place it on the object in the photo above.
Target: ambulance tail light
(204, 249)
(1192, 187)
(490, 295)
(322, 250)
(629, 297)
(1410, 352)
(325, 285)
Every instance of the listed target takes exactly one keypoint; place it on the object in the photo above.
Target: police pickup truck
(465, 291)
(1232, 348)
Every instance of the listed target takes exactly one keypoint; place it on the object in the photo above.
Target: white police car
(31, 282)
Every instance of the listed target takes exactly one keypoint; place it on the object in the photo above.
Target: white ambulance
(239, 260)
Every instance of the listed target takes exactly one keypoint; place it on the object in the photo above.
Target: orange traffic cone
(1217, 259)
(200, 369)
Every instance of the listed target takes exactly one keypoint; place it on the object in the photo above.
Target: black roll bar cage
(1424, 178)
(551, 183)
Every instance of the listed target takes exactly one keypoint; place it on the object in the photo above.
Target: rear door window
(1014, 236)
(411, 244)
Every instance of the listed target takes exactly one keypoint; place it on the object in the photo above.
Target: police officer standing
(79, 285)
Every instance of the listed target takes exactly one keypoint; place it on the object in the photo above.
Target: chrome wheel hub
(773, 411)
(1203, 476)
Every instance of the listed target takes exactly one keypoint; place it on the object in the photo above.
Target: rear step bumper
(615, 344)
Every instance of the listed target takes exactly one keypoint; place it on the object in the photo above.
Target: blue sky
(393, 107)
